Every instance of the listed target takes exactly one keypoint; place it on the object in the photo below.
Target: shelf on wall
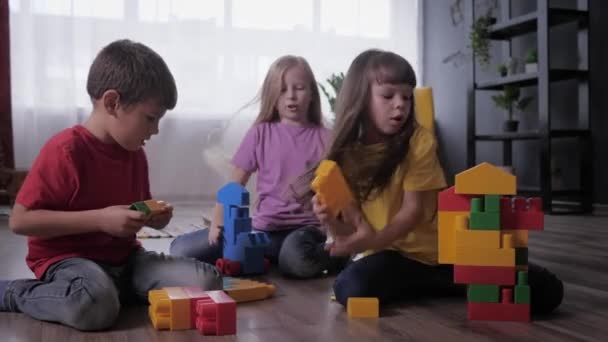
(527, 23)
(530, 79)
(532, 135)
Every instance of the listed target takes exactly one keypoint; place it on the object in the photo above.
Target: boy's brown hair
(135, 71)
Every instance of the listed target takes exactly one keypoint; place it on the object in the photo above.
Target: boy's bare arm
(117, 220)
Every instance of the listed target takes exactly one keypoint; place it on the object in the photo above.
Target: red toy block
(216, 314)
(488, 275)
(520, 213)
(498, 312)
(450, 201)
(195, 294)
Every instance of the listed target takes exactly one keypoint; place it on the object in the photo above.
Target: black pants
(389, 276)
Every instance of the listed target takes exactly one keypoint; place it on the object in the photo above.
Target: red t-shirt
(74, 172)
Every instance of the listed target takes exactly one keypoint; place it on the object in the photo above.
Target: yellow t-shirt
(420, 171)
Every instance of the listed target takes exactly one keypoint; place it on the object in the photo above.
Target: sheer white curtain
(218, 51)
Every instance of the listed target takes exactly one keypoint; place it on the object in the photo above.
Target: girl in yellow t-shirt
(391, 164)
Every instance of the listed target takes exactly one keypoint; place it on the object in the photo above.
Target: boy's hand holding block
(331, 187)
(150, 207)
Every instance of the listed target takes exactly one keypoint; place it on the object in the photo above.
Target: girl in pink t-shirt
(286, 139)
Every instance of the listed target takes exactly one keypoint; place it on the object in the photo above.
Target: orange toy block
(245, 290)
(504, 256)
(170, 309)
(331, 187)
(447, 234)
(449, 200)
(520, 237)
(522, 213)
(477, 239)
(366, 307)
(485, 179)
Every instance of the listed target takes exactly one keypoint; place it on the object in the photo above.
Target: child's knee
(346, 287)
(302, 255)
(95, 307)
(547, 291)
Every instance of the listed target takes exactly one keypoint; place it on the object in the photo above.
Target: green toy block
(492, 203)
(141, 206)
(480, 220)
(522, 289)
(521, 256)
(484, 221)
(483, 293)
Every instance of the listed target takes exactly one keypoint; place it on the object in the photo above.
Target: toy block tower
(484, 233)
(243, 248)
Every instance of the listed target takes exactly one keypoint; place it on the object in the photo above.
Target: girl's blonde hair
(272, 86)
(372, 172)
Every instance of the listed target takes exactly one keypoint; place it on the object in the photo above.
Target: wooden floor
(573, 247)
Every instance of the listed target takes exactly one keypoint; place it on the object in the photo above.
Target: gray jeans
(87, 295)
(298, 251)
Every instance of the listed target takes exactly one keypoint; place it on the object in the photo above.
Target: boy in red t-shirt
(74, 204)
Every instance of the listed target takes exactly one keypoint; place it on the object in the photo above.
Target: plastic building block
(520, 237)
(366, 307)
(483, 293)
(170, 308)
(498, 312)
(245, 290)
(492, 203)
(522, 213)
(485, 179)
(483, 220)
(477, 239)
(243, 250)
(216, 314)
(331, 187)
(447, 227)
(149, 207)
(521, 256)
(490, 275)
(522, 289)
(485, 257)
(425, 113)
(451, 201)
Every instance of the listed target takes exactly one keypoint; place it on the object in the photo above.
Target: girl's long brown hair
(352, 118)
(273, 83)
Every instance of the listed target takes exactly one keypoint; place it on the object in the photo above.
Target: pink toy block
(216, 314)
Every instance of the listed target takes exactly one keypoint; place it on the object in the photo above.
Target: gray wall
(450, 79)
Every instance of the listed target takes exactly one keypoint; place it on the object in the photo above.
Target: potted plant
(479, 37)
(502, 69)
(335, 82)
(509, 98)
(531, 61)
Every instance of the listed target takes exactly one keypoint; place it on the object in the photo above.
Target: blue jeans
(87, 295)
(298, 251)
(389, 276)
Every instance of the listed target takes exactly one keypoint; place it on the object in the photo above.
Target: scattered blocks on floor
(246, 290)
(363, 307)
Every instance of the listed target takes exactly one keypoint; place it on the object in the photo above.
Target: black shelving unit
(540, 22)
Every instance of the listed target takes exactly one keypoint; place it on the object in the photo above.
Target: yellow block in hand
(331, 187)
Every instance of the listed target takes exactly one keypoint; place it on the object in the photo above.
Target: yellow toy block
(246, 290)
(425, 113)
(446, 234)
(484, 257)
(485, 179)
(331, 187)
(169, 309)
(155, 206)
(477, 239)
(363, 307)
(520, 237)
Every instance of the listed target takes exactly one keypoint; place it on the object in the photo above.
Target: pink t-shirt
(280, 153)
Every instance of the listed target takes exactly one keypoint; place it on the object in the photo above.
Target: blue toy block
(241, 244)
